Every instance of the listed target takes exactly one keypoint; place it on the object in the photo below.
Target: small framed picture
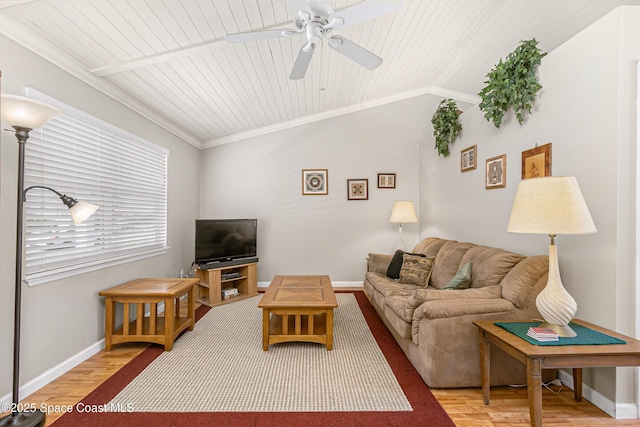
(496, 172)
(536, 162)
(315, 182)
(358, 189)
(386, 180)
(468, 159)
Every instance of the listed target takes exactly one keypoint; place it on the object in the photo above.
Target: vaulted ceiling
(168, 61)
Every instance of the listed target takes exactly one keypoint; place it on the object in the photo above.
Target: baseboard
(619, 411)
(357, 284)
(53, 373)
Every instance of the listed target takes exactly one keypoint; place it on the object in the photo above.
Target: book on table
(542, 334)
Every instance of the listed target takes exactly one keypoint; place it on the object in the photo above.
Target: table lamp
(552, 206)
(402, 212)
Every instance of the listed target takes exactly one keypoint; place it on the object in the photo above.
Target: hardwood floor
(509, 406)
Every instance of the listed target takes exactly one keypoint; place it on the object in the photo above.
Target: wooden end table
(302, 309)
(536, 358)
(150, 328)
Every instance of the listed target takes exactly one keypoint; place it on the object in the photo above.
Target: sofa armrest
(378, 263)
(461, 307)
(429, 294)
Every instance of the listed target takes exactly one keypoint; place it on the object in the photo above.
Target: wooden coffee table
(134, 296)
(536, 358)
(298, 308)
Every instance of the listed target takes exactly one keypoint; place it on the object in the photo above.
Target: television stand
(242, 276)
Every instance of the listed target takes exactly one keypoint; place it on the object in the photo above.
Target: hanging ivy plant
(446, 126)
(512, 84)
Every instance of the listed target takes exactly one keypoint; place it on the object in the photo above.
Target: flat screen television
(220, 240)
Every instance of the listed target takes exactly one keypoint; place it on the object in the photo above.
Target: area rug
(365, 380)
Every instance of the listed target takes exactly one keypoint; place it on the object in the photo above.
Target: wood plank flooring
(509, 406)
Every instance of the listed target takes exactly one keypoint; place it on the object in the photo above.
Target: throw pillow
(461, 280)
(393, 271)
(416, 270)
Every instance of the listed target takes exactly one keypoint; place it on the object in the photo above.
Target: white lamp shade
(25, 112)
(550, 205)
(81, 211)
(403, 212)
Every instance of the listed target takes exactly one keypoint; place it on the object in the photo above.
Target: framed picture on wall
(536, 162)
(315, 182)
(468, 159)
(496, 176)
(386, 180)
(358, 189)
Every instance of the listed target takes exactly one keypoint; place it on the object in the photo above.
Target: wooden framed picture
(536, 162)
(468, 159)
(358, 189)
(496, 176)
(315, 182)
(386, 180)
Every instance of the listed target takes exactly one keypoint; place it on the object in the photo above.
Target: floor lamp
(402, 212)
(552, 205)
(24, 114)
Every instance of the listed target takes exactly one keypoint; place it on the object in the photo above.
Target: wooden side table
(537, 358)
(139, 293)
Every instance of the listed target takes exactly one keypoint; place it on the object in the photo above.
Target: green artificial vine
(446, 126)
(512, 83)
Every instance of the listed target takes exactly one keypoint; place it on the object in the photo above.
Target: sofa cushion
(461, 280)
(398, 304)
(519, 284)
(378, 263)
(447, 263)
(430, 246)
(388, 287)
(416, 269)
(490, 265)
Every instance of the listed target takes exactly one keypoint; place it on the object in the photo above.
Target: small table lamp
(403, 212)
(552, 205)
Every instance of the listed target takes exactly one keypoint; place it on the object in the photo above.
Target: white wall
(63, 318)
(262, 177)
(586, 110)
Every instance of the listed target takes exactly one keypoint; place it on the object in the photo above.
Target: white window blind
(93, 161)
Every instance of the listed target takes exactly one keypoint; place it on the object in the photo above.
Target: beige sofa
(434, 326)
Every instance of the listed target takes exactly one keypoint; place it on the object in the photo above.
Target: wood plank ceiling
(167, 59)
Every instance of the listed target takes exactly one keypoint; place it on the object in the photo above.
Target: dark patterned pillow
(393, 271)
(416, 270)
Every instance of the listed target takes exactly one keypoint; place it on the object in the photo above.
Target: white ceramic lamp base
(554, 303)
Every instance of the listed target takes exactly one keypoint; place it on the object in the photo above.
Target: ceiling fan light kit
(316, 21)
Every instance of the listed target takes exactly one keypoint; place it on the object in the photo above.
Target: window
(93, 161)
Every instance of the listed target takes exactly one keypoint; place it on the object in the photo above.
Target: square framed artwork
(496, 176)
(358, 189)
(315, 182)
(468, 159)
(386, 180)
(536, 162)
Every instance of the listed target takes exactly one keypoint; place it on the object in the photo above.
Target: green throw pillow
(416, 270)
(461, 280)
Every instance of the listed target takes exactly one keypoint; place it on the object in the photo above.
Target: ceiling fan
(317, 20)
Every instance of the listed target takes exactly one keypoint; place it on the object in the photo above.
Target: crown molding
(52, 54)
(427, 90)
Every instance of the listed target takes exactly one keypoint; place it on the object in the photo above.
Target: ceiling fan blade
(302, 61)
(367, 9)
(259, 35)
(296, 6)
(355, 52)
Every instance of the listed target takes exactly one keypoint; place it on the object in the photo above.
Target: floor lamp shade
(402, 212)
(552, 206)
(19, 111)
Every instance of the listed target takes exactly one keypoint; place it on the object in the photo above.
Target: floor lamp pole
(35, 418)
